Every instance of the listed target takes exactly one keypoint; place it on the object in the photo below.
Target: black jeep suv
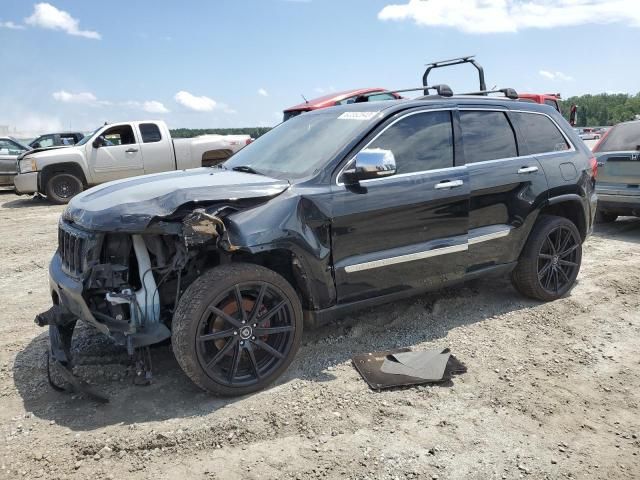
(333, 210)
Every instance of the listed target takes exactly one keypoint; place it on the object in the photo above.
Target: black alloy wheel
(245, 334)
(558, 260)
(237, 328)
(550, 260)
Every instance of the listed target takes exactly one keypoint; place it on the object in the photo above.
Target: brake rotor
(231, 309)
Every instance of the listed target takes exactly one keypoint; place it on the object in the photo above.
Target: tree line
(603, 109)
(254, 132)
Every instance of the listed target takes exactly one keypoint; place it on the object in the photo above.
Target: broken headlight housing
(27, 165)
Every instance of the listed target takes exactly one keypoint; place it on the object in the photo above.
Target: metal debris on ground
(403, 367)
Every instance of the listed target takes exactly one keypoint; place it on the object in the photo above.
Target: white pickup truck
(117, 151)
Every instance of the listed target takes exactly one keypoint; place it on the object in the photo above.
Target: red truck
(339, 98)
(551, 99)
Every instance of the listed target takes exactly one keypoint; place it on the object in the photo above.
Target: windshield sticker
(357, 115)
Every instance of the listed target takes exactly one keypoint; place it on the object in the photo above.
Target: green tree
(254, 132)
(603, 109)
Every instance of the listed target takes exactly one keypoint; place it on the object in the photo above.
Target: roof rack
(454, 61)
(442, 89)
(507, 92)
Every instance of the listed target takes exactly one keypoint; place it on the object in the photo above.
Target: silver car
(10, 148)
(618, 185)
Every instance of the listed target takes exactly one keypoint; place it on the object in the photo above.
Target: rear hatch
(618, 156)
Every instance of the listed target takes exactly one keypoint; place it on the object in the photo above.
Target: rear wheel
(236, 329)
(550, 261)
(62, 187)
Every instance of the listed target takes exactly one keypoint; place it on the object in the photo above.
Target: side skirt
(317, 318)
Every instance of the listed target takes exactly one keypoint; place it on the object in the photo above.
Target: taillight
(594, 167)
(248, 141)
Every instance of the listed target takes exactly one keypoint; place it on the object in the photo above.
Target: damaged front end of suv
(123, 267)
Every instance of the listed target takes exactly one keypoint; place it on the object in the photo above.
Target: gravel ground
(551, 389)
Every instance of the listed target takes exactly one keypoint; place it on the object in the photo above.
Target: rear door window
(487, 136)
(150, 133)
(67, 139)
(419, 142)
(540, 133)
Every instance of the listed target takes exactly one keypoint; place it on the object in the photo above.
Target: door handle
(131, 150)
(528, 170)
(449, 184)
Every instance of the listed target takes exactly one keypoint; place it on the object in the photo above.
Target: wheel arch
(67, 167)
(290, 266)
(570, 206)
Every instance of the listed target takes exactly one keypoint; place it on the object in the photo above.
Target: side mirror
(36, 145)
(98, 142)
(369, 164)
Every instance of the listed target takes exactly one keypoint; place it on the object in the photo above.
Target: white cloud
(84, 98)
(89, 99)
(199, 104)
(556, 76)
(495, 16)
(153, 106)
(11, 26)
(47, 16)
(262, 92)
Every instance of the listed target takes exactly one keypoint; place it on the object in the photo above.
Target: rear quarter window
(541, 135)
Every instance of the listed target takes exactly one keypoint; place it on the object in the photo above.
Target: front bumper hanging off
(61, 325)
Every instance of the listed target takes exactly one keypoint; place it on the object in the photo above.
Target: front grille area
(76, 248)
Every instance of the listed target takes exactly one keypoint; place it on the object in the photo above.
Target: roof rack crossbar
(442, 89)
(454, 61)
(507, 92)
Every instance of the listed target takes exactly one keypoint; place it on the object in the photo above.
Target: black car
(57, 140)
(331, 211)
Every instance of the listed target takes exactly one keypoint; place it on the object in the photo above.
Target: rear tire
(550, 261)
(605, 217)
(62, 187)
(236, 329)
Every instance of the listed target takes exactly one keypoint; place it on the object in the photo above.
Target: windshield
(88, 137)
(301, 146)
(622, 138)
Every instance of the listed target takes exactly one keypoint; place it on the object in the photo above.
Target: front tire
(237, 328)
(62, 187)
(550, 261)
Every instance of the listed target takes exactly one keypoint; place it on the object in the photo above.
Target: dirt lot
(552, 389)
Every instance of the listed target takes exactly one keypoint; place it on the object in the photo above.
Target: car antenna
(304, 98)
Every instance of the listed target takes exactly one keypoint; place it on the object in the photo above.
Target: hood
(129, 205)
(48, 152)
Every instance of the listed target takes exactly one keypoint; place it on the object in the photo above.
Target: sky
(74, 64)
